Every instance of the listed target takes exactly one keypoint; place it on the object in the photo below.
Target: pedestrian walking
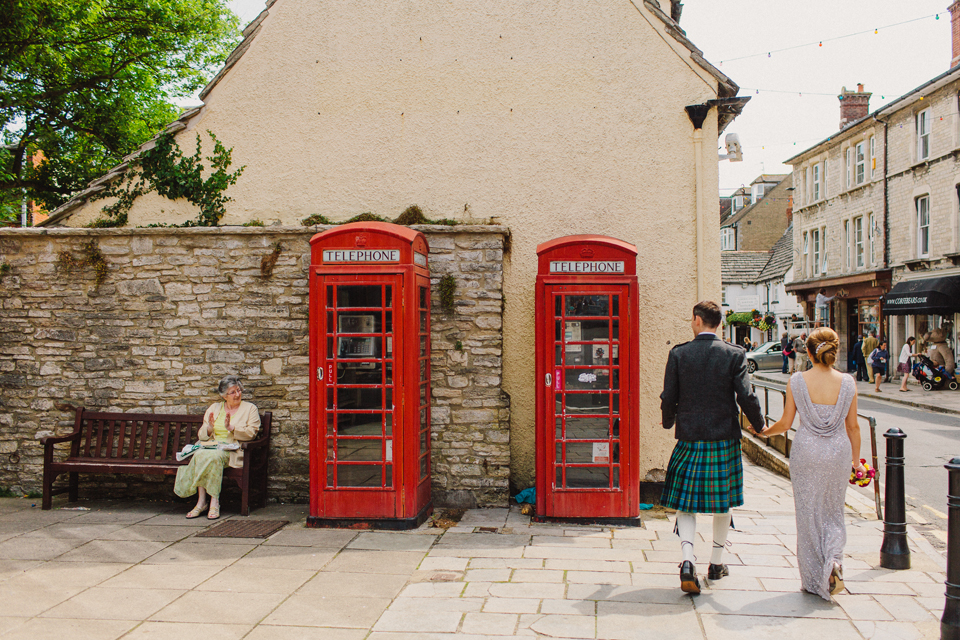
(903, 362)
(800, 346)
(785, 344)
(869, 344)
(791, 356)
(859, 360)
(705, 380)
(825, 449)
(878, 360)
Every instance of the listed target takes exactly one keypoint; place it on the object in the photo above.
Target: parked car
(769, 355)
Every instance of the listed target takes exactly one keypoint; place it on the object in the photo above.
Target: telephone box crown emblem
(586, 252)
(361, 240)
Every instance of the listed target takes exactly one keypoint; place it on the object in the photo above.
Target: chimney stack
(854, 105)
(955, 31)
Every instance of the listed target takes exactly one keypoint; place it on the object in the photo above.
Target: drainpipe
(697, 114)
(886, 201)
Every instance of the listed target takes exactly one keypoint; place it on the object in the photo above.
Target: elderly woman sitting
(227, 422)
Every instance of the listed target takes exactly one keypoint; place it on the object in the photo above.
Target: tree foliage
(85, 82)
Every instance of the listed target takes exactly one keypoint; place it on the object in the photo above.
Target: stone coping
(236, 230)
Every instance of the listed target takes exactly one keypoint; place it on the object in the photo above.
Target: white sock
(721, 526)
(687, 530)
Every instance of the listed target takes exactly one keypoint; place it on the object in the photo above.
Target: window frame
(848, 166)
(872, 236)
(923, 136)
(817, 182)
(806, 254)
(873, 156)
(847, 245)
(859, 163)
(859, 260)
(816, 248)
(823, 250)
(728, 239)
(923, 230)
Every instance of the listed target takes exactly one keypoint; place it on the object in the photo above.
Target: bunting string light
(819, 43)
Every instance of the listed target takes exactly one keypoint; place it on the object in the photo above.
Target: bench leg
(48, 478)
(245, 492)
(74, 493)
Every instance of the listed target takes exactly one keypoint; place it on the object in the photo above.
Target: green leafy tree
(86, 82)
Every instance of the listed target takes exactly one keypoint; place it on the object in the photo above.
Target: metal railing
(784, 442)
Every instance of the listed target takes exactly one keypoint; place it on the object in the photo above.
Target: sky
(797, 104)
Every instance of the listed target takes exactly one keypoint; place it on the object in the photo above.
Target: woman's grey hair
(227, 383)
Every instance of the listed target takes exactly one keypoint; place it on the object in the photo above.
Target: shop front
(855, 310)
(587, 365)
(922, 305)
(370, 377)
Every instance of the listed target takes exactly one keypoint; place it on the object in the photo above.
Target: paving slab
(161, 576)
(419, 622)
(72, 574)
(382, 541)
(363, 561)
(641, 621)
(328, 611)
(188, 552)
(57, 629)
(247, 579)
(98, 603)
(737, 627)
(123, 551)
(180, 630)
(299, 536)
(344, 584)
(217, 607)
(753, 603)
(277, 632)
(277, 557)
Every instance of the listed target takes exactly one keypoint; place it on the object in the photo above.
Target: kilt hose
(704, 477)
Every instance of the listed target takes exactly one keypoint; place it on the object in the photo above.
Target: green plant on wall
(92, 258)
(448, 292)
(167, 171)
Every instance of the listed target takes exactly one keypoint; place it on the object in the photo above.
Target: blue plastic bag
(527, 495)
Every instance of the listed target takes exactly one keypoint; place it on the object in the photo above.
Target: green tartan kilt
(704, 477)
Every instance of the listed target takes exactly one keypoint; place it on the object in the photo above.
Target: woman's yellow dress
(206, 465)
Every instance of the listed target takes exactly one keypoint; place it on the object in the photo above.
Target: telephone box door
(361, 442)
(586, 378)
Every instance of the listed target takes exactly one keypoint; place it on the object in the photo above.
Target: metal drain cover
(244, 529)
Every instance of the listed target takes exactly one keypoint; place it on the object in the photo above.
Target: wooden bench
(145, 443)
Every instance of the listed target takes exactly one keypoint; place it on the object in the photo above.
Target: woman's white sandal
(196, 512)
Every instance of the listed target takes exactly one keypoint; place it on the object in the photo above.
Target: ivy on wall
(167, 171)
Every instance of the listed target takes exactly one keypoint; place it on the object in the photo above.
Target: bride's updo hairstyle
(822, 346)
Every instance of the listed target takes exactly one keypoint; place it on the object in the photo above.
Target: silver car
(769, 355)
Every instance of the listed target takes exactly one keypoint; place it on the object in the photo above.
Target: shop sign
(586, 266)
(361, 255)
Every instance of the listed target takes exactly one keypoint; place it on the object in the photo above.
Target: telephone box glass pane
(588, 477)
(359, 450)
(587, 305)
(358, 475)
(359, 322)
(587, 428)
(360, 296)
(359, 424)
(587, 379)
(359, 398)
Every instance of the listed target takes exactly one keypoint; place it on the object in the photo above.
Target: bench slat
(110, 431)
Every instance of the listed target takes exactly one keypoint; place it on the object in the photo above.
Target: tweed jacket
(245, 423)
(705, 380)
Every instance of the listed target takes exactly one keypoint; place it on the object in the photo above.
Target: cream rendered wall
(551, 118)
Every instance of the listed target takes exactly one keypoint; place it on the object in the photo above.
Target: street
(932, 440)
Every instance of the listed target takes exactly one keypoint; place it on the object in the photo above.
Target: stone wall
(180, 308)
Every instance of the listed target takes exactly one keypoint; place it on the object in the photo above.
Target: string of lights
(819, 43)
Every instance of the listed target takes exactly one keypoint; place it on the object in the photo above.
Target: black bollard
(950, 621)
(894, 552)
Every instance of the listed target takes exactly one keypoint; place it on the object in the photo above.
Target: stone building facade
(180, 308)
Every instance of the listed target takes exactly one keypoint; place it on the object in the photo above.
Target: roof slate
(781, 257)
(737, 267)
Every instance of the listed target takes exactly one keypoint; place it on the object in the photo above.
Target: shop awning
(928, 296)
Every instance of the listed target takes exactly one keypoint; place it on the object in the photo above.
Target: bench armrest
(51, 440)
(259, 443)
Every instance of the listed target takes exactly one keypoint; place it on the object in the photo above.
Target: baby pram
(932, 376)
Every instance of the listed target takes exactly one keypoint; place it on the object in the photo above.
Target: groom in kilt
(705, 380)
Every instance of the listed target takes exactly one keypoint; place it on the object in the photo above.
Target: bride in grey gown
(826, 447)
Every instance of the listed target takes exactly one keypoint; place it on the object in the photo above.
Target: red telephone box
(587, 377)
(369, 377)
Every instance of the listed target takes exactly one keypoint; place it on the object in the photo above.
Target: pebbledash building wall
(180, 308)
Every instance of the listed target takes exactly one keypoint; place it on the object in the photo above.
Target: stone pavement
(136, 570)
(943, 401)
